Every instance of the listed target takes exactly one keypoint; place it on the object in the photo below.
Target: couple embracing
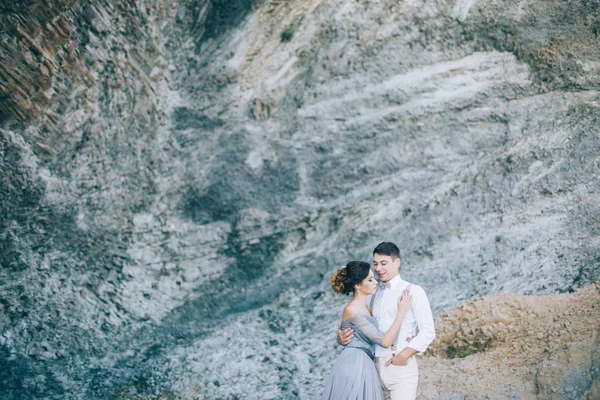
(383, 327)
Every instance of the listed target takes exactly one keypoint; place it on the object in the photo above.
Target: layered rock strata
(171, 168)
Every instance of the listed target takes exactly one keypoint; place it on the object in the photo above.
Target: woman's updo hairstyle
(353, 273)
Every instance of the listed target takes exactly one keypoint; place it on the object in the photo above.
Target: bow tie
(384, 285)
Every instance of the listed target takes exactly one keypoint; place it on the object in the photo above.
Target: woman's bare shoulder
(349, 311)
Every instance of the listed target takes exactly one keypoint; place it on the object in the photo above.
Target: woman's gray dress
(353, 376)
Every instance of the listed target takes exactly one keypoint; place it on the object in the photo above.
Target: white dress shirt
(385, 309)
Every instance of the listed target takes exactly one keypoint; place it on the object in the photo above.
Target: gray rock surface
(180, 178)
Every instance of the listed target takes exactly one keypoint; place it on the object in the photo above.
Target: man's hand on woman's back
(344, 336)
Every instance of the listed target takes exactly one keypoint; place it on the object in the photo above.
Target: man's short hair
(387, 249)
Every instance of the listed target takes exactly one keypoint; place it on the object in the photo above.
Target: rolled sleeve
(424, 317)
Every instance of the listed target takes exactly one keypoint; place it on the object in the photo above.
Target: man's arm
(344, 336)
(426, 334)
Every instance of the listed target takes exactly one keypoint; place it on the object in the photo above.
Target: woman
(354, 376)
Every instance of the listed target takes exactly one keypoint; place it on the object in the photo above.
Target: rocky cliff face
(504, 346)
(174, 173)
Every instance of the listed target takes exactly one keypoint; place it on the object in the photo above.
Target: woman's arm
(403, 306)
(375, 335)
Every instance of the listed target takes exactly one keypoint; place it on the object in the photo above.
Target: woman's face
(369, 284)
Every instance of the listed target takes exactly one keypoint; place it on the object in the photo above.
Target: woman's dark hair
(387, 249)
(353, 273)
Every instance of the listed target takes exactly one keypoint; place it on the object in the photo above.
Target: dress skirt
(353, 377)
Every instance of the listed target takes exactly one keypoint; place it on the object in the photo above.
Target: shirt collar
(395, 281)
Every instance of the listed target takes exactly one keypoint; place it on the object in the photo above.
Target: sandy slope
(511, 346)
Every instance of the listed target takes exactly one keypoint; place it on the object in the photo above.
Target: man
(397, 366)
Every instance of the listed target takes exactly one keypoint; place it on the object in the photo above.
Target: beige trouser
(398, 383)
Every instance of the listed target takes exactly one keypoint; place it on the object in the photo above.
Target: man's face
(386, 267)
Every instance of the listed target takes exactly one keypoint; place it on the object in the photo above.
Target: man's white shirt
(385, 309)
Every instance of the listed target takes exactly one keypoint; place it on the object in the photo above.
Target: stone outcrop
(511, 346)
(502, 346)
(171, 169)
